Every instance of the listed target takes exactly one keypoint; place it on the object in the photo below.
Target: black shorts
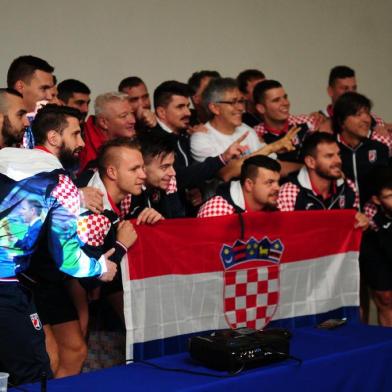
(376, 265)
(54, 303)
(22, 340)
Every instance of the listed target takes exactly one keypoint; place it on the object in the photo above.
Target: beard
(327, 175)
(10, 135)
(69, 158)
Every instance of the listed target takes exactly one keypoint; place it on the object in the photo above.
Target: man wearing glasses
(224, 104)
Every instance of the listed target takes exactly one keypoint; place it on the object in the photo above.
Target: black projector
(233, 350)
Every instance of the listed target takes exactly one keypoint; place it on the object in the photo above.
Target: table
(353, 357)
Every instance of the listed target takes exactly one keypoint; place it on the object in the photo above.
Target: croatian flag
(189, 276)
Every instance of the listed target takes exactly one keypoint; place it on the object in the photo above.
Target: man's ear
(102, 122)
(53, 138)
(214, 108)
(1, 120)
(111, 172)
(260, 108)
(19, 86)
(376, 200)
(248, 185)
(161, 113)
(310, 162)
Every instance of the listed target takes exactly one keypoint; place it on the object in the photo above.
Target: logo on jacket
(36, 321)
(342, 201)
(251, 281)
(372, 156)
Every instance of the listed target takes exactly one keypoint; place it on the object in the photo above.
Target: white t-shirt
(212, 143)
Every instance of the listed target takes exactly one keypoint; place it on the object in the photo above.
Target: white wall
(294, 41)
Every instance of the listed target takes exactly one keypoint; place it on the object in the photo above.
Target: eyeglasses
(234, 102)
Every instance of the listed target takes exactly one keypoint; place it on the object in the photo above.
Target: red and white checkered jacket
(219, 205)
(94, 228)
(293, 120)
(299, 195)
(370, 210)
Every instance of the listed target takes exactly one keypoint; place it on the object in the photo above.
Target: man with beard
(38, 174)
(320, 184)
(257, 190)
(13, 120)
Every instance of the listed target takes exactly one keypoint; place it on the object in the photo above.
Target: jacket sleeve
(63, 240)
(197, 173)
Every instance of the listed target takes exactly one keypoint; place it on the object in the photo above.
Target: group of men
(213, 146)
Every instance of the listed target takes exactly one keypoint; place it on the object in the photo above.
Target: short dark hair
(68, 87)
(250, 166)
(129, 82)
(104, 154)
(380, 178)
(23, 68)
(346, 105)
(33, 203)
(195, 80)
(154, 143)
(3, 100)
(262, 87)
(51, 117)
(246, 76)
(165, 91)
(311, 142)
(340, 72)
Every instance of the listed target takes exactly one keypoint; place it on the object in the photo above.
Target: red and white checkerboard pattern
(125, 206)
(251, 296)
(92, 229)
(351, 184)
(293, 120)
(384, 139)
(67, 194)
(172, 186)
(287, 197)
(370, 210)
(216, 206)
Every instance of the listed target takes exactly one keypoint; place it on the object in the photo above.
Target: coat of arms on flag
(251, 281)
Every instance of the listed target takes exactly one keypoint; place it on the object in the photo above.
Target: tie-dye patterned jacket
(37, 176)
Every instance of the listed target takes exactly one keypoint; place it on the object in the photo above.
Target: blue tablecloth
(350, 358)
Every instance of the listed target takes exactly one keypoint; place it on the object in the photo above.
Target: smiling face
(129, 171)
(326, 161)
(230, 108)
(160, 171)
(118, 119)
(357, 126)
(275, 107)
(39, 88)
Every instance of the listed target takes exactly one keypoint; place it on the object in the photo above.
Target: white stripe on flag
(170, 305)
